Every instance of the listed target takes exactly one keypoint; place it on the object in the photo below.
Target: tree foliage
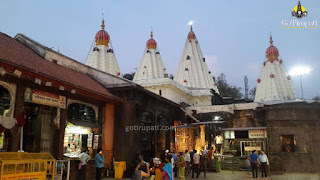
(316, 98)
(252, 93)
(129, 76)
(227, 90)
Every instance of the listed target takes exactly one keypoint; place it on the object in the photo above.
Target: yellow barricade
(26, 166)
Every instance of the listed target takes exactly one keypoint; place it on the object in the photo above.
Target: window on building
(157, 52)
(204, 59)
(186, 69)
(287, 143)
(95, 49)
(148, 51)
(160, 92)
(188, 57)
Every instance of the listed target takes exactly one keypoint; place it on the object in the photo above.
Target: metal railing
(62, 170)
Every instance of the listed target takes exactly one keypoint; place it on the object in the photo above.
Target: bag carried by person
(79, 166)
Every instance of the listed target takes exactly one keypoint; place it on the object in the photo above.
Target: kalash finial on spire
(151, 43)
(271, 41)
(102, 25)
(190, 24)
(191, 34)
(151, 34)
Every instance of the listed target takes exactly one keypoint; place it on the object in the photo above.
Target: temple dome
(191, 35)
(102, 37)
(151, 43)
(272, 53)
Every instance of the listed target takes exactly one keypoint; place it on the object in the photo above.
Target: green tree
(252, 93)
(129, 76)
(227, 90)
(316, 98)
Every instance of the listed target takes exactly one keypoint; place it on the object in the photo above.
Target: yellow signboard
(23, 176)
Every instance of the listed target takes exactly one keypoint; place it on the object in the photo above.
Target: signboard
(251, 148)
(257, 134)
(229, 135)
(25, 176)
(45, 98)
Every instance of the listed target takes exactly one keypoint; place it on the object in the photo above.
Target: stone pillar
(107, 134)
(202, 135)
(61, 132)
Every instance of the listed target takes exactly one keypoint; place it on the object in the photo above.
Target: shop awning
(243, 129)
(200, 123)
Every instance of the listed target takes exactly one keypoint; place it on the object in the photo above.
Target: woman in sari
(182, 166)
(167, 173)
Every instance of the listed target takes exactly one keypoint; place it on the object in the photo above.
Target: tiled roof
(15, 53)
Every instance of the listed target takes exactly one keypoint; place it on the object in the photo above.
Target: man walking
(187, 159)
(196, 163)
(254, 163)
(84, 158)
(264, 162)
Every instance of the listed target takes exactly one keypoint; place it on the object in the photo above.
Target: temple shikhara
(275, 83)
(191, 83)
(55, 104)
(101, 56)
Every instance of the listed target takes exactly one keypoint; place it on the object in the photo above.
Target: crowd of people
(171, 164)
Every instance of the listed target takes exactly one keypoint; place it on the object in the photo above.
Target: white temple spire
(274, 84)
(151, 66)
(192, 70)
(102, 56)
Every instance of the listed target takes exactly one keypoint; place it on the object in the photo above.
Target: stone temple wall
(300, 121)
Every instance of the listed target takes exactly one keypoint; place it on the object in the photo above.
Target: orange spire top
(102, 37)
(151, 43)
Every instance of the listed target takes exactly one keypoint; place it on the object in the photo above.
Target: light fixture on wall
(49, 84)
(17, 73)
(37, 81)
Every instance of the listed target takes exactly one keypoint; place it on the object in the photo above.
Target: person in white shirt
(218, 139)
(196, 163)
(264, 162)
(84, 158)
(187, 159)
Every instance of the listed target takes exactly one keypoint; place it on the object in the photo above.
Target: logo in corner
(299, 11)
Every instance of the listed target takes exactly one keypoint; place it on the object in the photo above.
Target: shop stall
(78, 138)
(238, 143)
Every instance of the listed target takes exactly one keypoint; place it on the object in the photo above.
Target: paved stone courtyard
(241, 175)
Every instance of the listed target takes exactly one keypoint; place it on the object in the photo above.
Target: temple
(101, 56)
(151, 65)
(192, 82)
(192, 70)
(275, 83)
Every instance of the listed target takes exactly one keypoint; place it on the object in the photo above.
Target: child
(248, 166)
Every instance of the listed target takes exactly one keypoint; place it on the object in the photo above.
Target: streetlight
(300, 71)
